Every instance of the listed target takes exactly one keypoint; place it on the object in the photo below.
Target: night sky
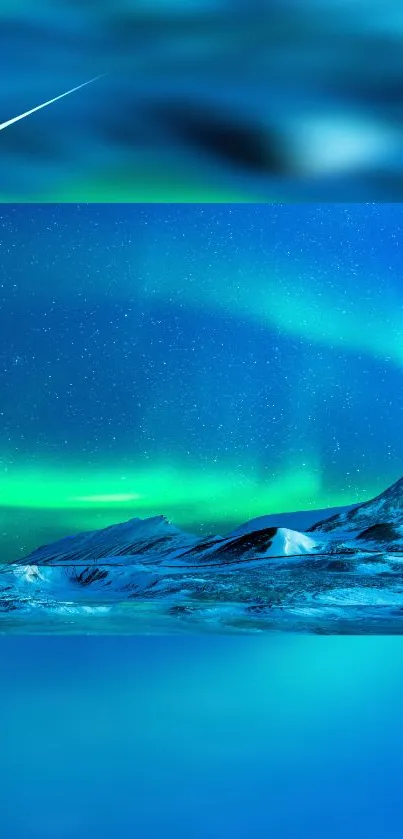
(209, 362)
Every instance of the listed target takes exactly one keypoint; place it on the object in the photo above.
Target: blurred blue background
(205, 100)
(203, 737)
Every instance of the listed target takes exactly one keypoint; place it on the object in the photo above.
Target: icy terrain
(343, 575)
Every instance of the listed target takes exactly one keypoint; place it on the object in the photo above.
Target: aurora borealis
(211, 363)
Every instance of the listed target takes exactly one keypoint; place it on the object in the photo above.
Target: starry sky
(209, 362)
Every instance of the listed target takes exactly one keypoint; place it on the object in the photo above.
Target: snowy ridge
(301, 520)
(385, 508)
(153, 537)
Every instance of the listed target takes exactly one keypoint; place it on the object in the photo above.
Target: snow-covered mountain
(145, 540)
(385, 509)
(346, 572)
(300, 520)
(157, 542)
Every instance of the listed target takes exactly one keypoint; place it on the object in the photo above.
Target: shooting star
(49, 102)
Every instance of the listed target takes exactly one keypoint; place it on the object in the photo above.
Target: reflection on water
(284, 736)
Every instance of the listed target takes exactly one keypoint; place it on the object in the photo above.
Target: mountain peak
(395, 489)
(125, 539)
(385, 507)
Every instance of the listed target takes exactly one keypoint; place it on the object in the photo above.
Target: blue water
(201, 736)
